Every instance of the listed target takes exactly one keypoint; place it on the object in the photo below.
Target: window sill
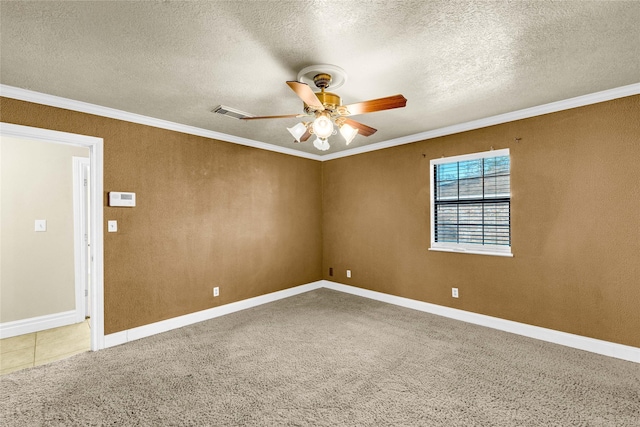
(471, 251)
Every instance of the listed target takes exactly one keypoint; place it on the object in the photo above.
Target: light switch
(112, 226)
(41, 225)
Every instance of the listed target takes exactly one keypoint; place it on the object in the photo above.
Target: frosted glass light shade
(323, 127)
(321, 144)
(348, 133)
(297, 131)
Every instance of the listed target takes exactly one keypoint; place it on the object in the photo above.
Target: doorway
(93, 269)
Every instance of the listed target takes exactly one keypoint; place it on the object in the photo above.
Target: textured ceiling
(455, 61)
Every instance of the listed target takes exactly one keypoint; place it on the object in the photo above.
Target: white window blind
(471, 203)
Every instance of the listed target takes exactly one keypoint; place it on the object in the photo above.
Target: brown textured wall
(575, 223)
(208, 213)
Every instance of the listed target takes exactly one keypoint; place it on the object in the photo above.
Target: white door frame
(96, 223)
(81, 166)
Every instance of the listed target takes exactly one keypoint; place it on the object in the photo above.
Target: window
(471, 203)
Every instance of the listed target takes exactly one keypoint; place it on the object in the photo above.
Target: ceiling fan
(324, 109)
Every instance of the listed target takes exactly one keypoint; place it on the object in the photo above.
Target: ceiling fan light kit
(326, 108)
(298, 130)
(321, 144)
(348, 133)
(322, 126)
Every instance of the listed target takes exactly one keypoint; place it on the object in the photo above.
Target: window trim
(469, 248)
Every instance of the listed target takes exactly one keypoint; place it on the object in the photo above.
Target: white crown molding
(112, 113)
(84, 107)
(553, 107)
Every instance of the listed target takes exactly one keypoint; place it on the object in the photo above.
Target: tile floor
(38, 348)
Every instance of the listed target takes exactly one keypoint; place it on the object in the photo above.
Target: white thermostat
(117, 198)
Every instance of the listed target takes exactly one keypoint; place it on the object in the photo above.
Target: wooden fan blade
(363, 129)
(286, 116)
(305, 93)
(305, 136)
(396, 101)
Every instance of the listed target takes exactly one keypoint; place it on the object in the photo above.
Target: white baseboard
(605, 348)
(199, 316)
(36, 324)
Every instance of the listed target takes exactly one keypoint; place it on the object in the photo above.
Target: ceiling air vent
(231, 112)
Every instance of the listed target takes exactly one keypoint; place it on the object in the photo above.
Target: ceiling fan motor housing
(329, 100)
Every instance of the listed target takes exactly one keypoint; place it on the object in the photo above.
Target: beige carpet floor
(326, 358)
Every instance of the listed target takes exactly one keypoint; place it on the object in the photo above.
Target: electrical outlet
(216, 291)
(330, 271)
(348, 273)
(454, 292)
